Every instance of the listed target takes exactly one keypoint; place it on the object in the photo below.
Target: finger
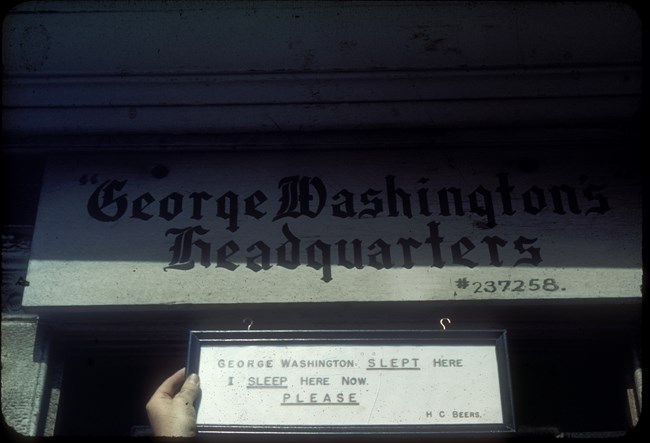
(170, 386)
(190, 390)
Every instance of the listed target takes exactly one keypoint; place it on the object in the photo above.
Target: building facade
(177, 166)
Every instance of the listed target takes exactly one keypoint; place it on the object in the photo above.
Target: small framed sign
(388, 382)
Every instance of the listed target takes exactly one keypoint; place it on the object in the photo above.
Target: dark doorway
(104, 392)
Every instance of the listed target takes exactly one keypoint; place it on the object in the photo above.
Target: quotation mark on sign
(84, 179)
(462, 283)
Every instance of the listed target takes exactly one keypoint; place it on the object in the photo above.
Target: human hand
(171, 408)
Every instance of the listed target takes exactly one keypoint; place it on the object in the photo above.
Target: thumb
(190, 390)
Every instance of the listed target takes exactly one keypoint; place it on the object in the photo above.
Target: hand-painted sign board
(321, 226)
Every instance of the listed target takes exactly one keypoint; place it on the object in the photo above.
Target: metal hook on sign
(442, 323)
(248, 322)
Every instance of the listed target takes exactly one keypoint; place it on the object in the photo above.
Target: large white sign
(318, 226)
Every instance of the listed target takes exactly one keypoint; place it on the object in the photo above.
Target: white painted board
(350, 385)
(335, 225)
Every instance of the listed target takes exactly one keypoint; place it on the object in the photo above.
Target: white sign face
(332, 226)
(350, 385)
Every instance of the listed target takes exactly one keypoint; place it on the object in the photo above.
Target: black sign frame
(498, 338)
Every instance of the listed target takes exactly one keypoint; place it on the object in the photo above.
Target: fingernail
(193, 378)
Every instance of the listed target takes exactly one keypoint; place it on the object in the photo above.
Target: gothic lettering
(535, 257)
(227, 206)
(458, 253)
(537, 194)
(292, 247)
(603, 203)
(197, 203)
(182, 248)
(301, 196)
(377, 205)
(264, 257)
(407, 244)
(443, 198)
(97, 205)
(381, 259)
(505, 190)
(485, 208)
(310, 244)
(224, 253)
(393, 194)
(435, 241)
(356, 254)
(171, 206)
(320, 255)
(325, 262)
(139, 204)
(493, 245)
(252, 202)
(423, 198)
(304, 196)
(345, 208)
(558, 201)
